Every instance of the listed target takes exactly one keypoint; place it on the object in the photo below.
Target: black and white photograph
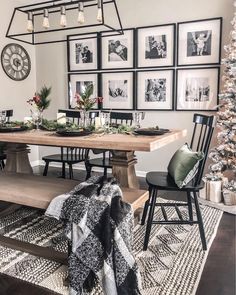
(197, 89)
(156, 46)
(77, 83)
(155, 90)
(82, 54)
(118, 90)
(199, 42)
(117, 52)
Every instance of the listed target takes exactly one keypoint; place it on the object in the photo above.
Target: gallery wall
(13, 95)
(134, 14)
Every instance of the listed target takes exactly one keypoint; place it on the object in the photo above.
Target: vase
(85, 120)
(37, 117)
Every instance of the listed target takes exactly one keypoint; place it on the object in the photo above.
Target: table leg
(123, 168)
(17, 158)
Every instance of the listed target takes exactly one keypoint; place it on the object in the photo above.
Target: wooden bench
(38, 191)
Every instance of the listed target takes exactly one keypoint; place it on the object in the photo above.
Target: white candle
(61, 118)
(97, 122)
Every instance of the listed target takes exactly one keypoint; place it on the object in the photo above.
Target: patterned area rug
(172, 265)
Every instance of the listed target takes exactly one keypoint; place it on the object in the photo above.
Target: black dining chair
(69, 156)
(8, 114)
(104, 162)
(159, 181)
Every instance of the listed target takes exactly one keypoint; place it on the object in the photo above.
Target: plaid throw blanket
(99, 226)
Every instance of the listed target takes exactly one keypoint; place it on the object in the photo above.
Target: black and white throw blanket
(99, 226)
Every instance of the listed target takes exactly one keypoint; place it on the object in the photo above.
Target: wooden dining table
(122, 147)
(19, 187)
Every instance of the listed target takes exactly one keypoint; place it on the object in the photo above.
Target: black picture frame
(103, 93)
(200, 95)
(71, 88)
(195, 24)
(166, 104)
(85, 37)
(132, 54)
(140, 62)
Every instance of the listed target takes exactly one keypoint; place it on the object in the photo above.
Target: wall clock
(15, 62)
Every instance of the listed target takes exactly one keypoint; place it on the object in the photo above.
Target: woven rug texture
(172, 265)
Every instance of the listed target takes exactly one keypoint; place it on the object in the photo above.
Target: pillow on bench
(184, 164)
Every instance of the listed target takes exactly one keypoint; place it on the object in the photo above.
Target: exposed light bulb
(99, 15)
(81, 18)
(46, 24)
(30, 26)
(63, 21)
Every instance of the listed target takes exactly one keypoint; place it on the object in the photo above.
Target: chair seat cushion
(64, 158)
(163, 181)
(100, 162)
(184, 165)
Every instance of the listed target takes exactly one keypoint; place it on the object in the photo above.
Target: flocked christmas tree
(223, 155)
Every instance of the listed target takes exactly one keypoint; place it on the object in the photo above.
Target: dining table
(20, 187)
(122, 147)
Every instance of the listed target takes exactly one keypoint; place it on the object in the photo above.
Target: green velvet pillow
(184, 164)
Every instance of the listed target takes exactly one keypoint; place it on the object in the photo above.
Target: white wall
(13, 94)
(51, 63)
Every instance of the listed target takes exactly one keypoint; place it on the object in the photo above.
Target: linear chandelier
(66, 15)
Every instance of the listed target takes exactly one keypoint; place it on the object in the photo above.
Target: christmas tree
(223, 155)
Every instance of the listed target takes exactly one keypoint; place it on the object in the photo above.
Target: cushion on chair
(184, 164)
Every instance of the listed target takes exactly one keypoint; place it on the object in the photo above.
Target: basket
(229, 197)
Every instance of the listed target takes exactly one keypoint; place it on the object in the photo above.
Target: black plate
(13, 129)
(151, 132)
(73, 133)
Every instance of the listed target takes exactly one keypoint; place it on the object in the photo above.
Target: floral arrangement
(40, 100)
(84, 100)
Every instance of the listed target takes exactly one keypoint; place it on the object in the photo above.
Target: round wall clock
(15, 62)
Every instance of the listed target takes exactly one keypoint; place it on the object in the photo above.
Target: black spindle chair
(201, 138)
(9, 114)
(69, 156)
(104, 162)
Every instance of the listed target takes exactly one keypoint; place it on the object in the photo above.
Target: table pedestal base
(123, 168)
(17, 159)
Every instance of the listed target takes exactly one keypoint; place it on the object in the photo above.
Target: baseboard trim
(79, 167)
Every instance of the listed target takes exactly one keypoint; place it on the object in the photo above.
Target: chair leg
(190, 207)
(63, 170)
(146, 206)
(45, 172)
(150, 219)
(105, 172)
(200, 222)
(70, 171)
(89, 170)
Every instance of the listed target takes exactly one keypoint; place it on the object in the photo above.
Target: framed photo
(155, 90)
(118, 90)
(77, 84)
(199, 42)
(197, 89)
(156, 46)
(82, 52)
(117, 52)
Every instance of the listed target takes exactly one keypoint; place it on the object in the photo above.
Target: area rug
(172, 264)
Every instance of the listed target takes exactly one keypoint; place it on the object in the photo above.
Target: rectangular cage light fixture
(59, 9)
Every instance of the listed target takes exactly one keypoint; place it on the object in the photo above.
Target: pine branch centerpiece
(39, 102)
(223, 155)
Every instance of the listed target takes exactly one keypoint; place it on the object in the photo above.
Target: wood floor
(218, 278)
